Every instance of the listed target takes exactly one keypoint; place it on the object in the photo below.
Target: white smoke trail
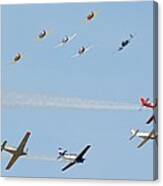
(14, 99)
(44, 158)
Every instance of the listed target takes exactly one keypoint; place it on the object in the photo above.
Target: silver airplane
(72, 158)
(16, 152)
(144, 135)
(83, 50)
(66, 40)
(42, 34)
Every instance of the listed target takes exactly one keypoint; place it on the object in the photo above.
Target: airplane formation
(16, 153)
(146, 136)
(72, 158)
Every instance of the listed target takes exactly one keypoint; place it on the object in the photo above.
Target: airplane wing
(68, 165)
(59, 45)
(145, 140)
(12, 161)
(23, 142)
(83, 152)
(152, 118)
(72, 37)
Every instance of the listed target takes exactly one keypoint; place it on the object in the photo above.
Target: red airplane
(147, 103)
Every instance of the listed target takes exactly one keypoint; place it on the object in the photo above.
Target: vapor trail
(14, 99)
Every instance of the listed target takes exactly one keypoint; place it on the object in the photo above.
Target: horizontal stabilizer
(133, 133)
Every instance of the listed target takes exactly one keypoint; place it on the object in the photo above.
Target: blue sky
(101, 74)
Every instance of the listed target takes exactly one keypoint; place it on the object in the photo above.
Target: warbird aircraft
(72, 158)
(42, 34)
(147, 103)
(16, 152)
(66, 40)
(91, 16)
(144, 135)
(83, 50)
(125, 43)
(17, 58)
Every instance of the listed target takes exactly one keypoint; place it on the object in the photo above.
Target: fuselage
(42, 34)
(17, 57)
(146, 134)
(65, 39)
(72, 158)
(90, 16)
(13, 150)
(146, 103)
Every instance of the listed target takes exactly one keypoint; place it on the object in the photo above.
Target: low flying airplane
(144, 135)
(16, 152)
(147, 103)
(72, 158)
(83, 50)
(66, 40)
(125, 42)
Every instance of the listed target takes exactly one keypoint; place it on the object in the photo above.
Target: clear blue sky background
(100, 74)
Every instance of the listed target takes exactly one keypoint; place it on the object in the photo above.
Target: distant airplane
(16, 152)
(66, 40)
(17, 58)
(82, 51)
(125, 43)
(42, 34)
(144, 135)
(147, 103)
(72, 158)
(91, 16)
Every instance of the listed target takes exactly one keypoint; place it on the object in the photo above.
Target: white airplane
(72, 158)
(82, 51)
(144, 135)
(66, 40)
(16, 152)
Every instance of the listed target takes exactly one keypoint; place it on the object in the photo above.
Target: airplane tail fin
(61, 152)
(134, 133)
(3, 145)
(142, 100)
